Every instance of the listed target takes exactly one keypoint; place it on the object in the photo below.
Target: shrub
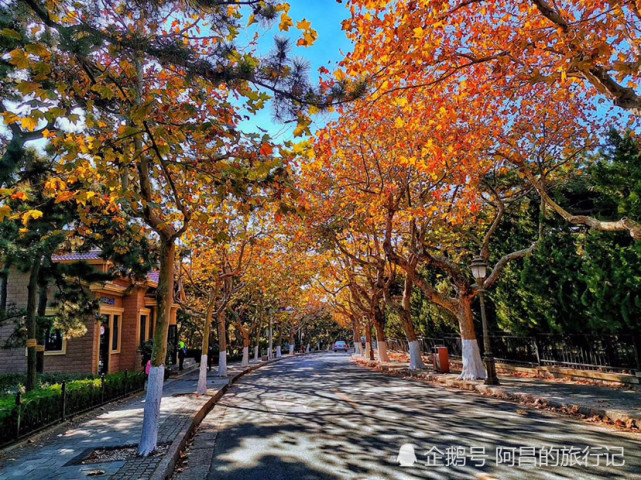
(12, 382)
(42, 407)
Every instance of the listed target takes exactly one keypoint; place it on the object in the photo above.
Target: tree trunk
(31, 319)
(257, 347)
(369, 351)
(416, 362)
(292, 342)
(381, 343)
(270, 353)
(202, 374)
(222, 345)
(473, 368)
(40, 333)
(278, 352)
(246, 343)
(356, 336)
(165, 300)
(4, 278)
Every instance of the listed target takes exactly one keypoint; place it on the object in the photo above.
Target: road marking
(345, 398)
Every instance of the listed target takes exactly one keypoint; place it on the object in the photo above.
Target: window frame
(110, 312)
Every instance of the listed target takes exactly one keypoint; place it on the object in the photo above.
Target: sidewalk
(623, 407)
(58, 454)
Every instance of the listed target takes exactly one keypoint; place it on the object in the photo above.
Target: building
(125, 320)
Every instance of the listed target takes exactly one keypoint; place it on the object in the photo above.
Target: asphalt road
(322, 417)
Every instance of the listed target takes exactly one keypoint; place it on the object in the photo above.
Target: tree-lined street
(449, 188)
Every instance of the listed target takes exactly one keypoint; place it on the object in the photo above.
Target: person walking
(182, 352)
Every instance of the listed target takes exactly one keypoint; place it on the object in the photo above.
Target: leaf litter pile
(101, 455)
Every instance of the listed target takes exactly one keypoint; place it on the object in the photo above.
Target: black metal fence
(40, 409)
(605, 352)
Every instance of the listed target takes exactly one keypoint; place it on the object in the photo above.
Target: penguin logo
(406, 456)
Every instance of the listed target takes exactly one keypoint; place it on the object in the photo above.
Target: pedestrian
(147, 370)
(182, 351)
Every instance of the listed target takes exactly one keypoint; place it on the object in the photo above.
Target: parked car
(341, 345)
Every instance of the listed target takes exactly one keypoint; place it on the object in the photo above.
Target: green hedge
(40, 408)
(12, 382)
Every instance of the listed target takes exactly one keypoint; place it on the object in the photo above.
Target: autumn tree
(156, 90)
(480, 69)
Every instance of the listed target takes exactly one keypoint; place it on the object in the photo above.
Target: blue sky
(326, 17)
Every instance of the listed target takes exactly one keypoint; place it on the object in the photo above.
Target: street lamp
(479, 271)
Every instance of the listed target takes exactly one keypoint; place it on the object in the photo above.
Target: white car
(341, 345)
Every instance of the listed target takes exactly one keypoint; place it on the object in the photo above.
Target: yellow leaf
(29, 123)
(64, 196)
(19, 59)
(5, 211)
(7, 32)
(304, 25)
(285, 22)
(35, 214)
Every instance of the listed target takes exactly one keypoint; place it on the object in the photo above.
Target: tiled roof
(95, 255)
(153, 276)
(90, 255)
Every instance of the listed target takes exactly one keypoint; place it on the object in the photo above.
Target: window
(53, 340)
(151, 326)
(115, 333)
(110, 323)
(143, 328)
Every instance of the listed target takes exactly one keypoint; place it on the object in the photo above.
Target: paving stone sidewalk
(589, 400)
(57, 456)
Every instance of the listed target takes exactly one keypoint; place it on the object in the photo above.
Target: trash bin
(440, 360)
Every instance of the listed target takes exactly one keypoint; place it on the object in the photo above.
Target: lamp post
(479, 271)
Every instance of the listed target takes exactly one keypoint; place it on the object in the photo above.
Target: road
(322, 417)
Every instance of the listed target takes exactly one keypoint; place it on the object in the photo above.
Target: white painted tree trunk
(149, 436)
(416, 362)
(278, 352)
(357, 348)
(291, 349)
(222, 364)
(245, 362)
(269, 354)
(473, 368)
(382, 351)
(307, 349)
(256, 357)
(202, 376)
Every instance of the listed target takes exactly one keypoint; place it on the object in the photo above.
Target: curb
(525, 398)
(166, 466)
